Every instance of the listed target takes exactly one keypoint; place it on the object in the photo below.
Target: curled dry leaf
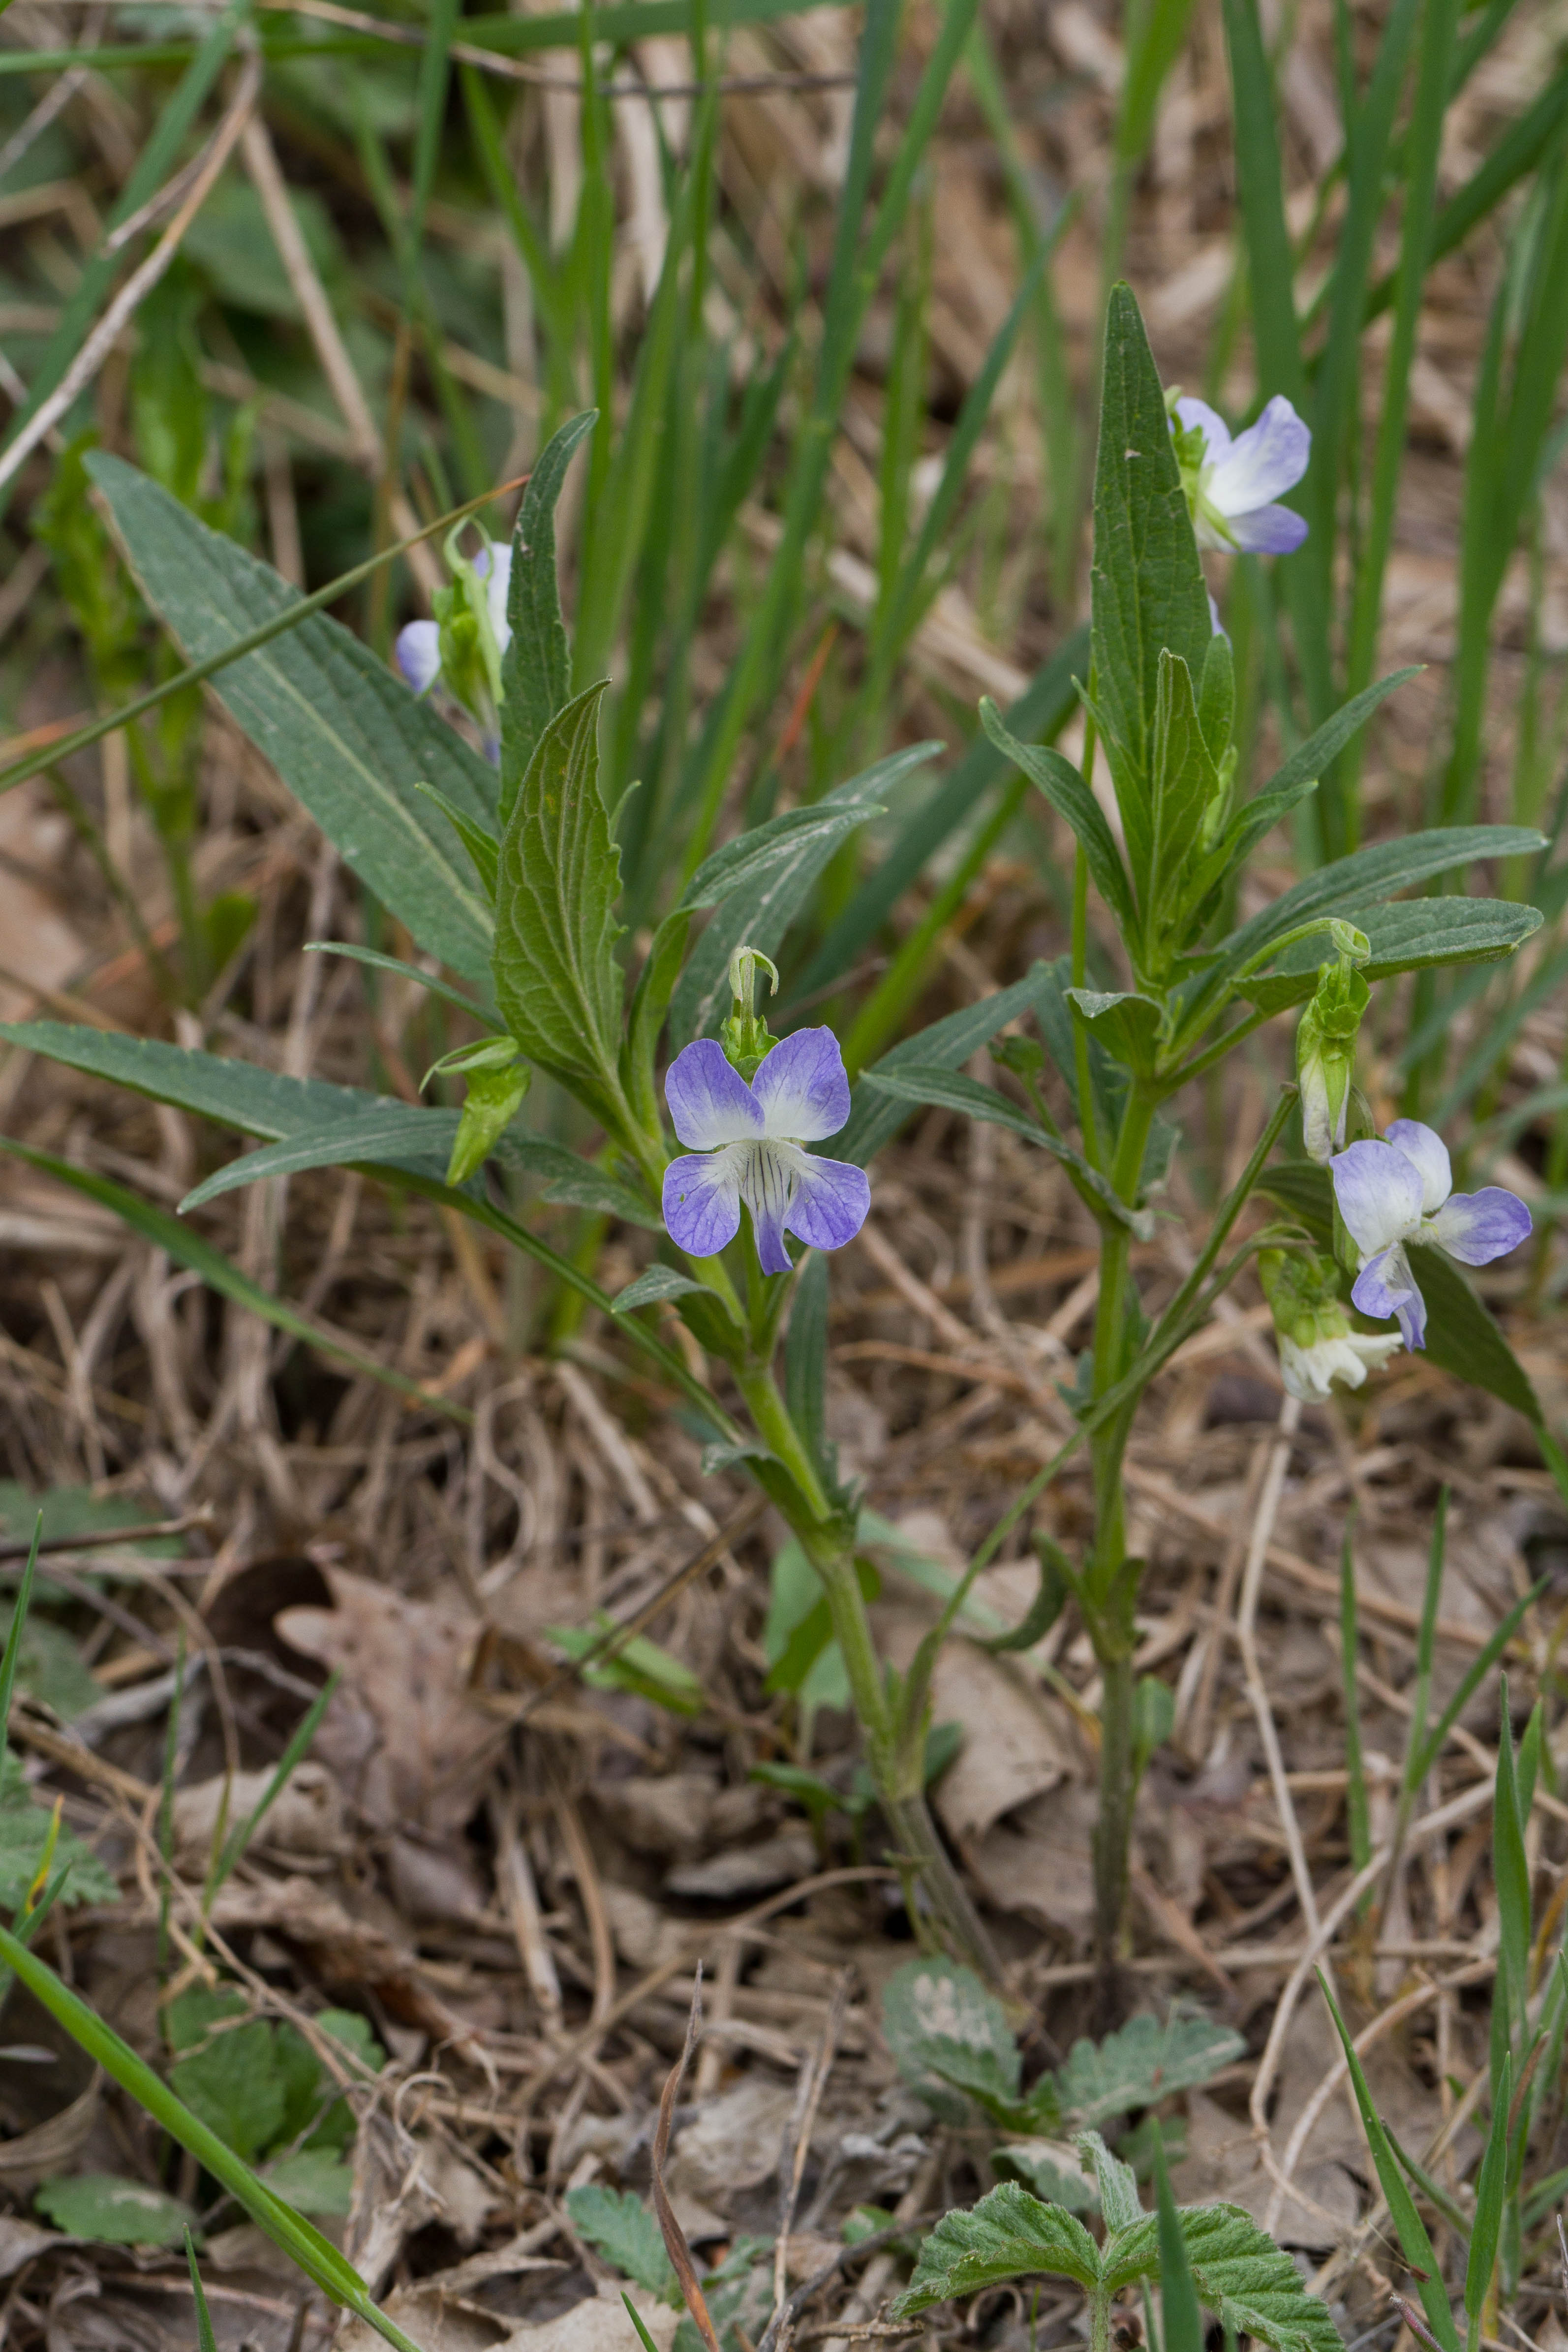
(403, 1734)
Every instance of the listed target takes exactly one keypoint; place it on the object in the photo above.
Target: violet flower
(745, 1144)
(1231, 491)
(417, 650)
(1400, 1190)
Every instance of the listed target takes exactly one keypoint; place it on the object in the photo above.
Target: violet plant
(696, 1122)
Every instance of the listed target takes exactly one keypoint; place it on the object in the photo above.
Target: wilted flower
(1312, 1332)
(1400, 1190)
(1231, 485)
(462, 645)
(746, 1143)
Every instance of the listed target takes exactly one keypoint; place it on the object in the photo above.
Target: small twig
(873, 2244)
(147, 1531)
(816, 2083)
(675, 2245)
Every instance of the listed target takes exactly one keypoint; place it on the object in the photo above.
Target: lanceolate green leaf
(536, 668)
(750, 856)
(558, 982)
(1376, 873)
(1464, 1337)
(760, 908)
(917, 1082)
(1410, 935)
(384, 1134)
(878, 1114)
(1008, 2234)
(187, 1247)
(1069, 795)
(237, 1094)
(1148, 589)
(347, 737)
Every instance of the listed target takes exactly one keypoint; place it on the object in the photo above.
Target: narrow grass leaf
(1415, 2245)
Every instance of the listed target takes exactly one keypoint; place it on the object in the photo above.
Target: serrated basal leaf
(1051, 2170)
(558, 982)
(536, 668)
(1118, 2182)
(619, 2225)
(1008, 2234)
(1142, 2062)
(940, 2022)
(1238, 2271)
(112, 2211)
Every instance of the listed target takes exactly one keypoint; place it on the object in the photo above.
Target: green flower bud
(1326, 1057)
(745, 1036)
(498, 1079)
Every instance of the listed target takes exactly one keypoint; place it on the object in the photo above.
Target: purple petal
(418, 654)
(1386, 1286)
(1267, 531)
(1262, 463)
(1379, 1196)
(768, 1184)
(702, 1201)
(802, 1088)
(709, 1101)
(832, 1201)
(1426, 1149)
(1476, 1227)
(1215, 431)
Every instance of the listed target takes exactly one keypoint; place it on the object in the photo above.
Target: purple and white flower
(417, 651)
(1238, 480)
(1310, 1371)
(1400, 1190)
(746, 1143)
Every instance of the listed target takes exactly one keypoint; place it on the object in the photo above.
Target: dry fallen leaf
(403, 1734)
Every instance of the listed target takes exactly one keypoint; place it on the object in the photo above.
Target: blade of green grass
(298, 2238)
(1414, 2242)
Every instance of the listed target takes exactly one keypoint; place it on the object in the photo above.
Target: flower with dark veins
(1400, 1189)
(747, 1143)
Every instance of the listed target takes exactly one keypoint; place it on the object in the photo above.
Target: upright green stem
(895, 1760)
(1108, 1605)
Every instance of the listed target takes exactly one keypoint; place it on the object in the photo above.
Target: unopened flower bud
(745, 1036)
(1326, 1057)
